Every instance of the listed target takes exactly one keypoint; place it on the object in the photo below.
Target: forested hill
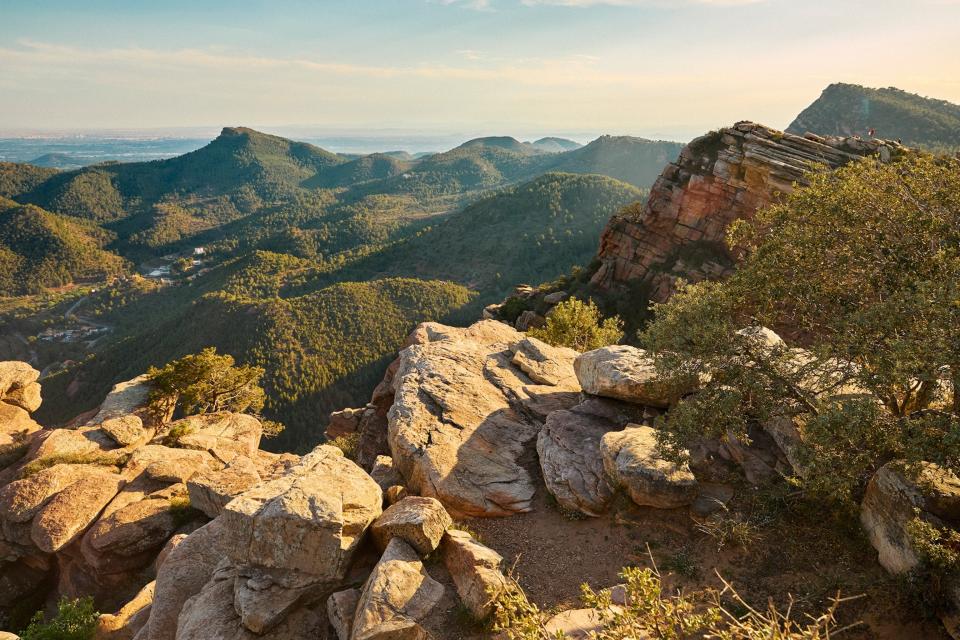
(313, 265)
(850, 109)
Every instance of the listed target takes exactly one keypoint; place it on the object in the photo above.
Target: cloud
(639, 3)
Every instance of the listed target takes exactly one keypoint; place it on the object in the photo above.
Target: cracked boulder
(568, 448)
(417, 520)
(310, 520)
(396, 597)
(463, 416)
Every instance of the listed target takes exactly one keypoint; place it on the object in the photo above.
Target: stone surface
(417, 520)
(309, 520)
(223, 435)
(529, 320)
(893, 499)
(26, 397)
(475, 569)
(264, 598)
(632, 462)
(210, 615)
(568, 448)
(210, 491)
(720, 177)
(343, 422)
(457, 427)
(16, 375)
(125, 398)
(125, 430)
(182, 575)
(385, 474)
(395, 494)
(341, 608)
(545, 364)
(135, 533)
(127, 622)
(17, 430)
(167, 464)
(397, 596)
(622, 372)
(68, 513)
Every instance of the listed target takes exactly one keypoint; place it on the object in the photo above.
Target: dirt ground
(785, 551)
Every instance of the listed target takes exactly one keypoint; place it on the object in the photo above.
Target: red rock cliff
(718, 178)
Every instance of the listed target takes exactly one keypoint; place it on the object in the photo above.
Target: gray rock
(622, 372)
(631, 460)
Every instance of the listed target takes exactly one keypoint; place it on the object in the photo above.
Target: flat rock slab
(224, 435)
(631, 460)
(68, 513)
(419, 521)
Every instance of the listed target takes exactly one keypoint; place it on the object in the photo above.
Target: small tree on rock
(203, 383)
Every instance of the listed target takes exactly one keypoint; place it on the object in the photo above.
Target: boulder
(529, 320)
(475, 570)
(125, 398)
(210, 615)
(631, 460)
(263, 598)
(417, 520)
(458, 427)
(622, 372)
(26, 397)
(17, 429)
(224, 435)
(568, 448)
(130, 537)
(167, 464)
(21, 499)
(545, 364)
(893, 498)
(182, 575)
(125, 430)
(555, 297)
(341, 608)
(6, 635)
(68, 513)
(127, 622)
(384, 473)
(210, 491)
(16, 375)
(343, 422)
(309, 520)
(395, 494)
(396, 597)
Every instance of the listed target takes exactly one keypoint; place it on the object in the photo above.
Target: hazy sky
(658, 68)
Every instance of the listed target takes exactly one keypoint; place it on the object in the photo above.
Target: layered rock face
(718, 178)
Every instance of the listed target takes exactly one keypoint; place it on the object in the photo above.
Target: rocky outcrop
(622, 372)
(464, 413)
(19, 397)
(720, 177)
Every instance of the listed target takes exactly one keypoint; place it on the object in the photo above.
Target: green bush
(75, 620)
(578, 325)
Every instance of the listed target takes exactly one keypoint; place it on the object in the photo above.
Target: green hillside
(849, 109)
(39, 249)
(633, 160)
(530, 233)
(17, 179)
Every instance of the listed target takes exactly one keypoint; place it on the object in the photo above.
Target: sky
(668, 69)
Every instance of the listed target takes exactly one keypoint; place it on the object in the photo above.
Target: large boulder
(458, 424)
(417, 520)
(224, 435)
(126, 430)
(17, 429)
(131, 536)
(14, 378)
(341, 608)
(211, 491)
(182, 575)
(309, 520)
(396, 597)
(894, 498)
(125, 398)
(631, 460)
(622, 372)
(67, 514)
(168, 464)
(476, 571)
(568, 448)
(211, 615)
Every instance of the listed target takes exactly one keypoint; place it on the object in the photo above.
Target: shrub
(578, 325)
(75, 620)
(348, 444)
